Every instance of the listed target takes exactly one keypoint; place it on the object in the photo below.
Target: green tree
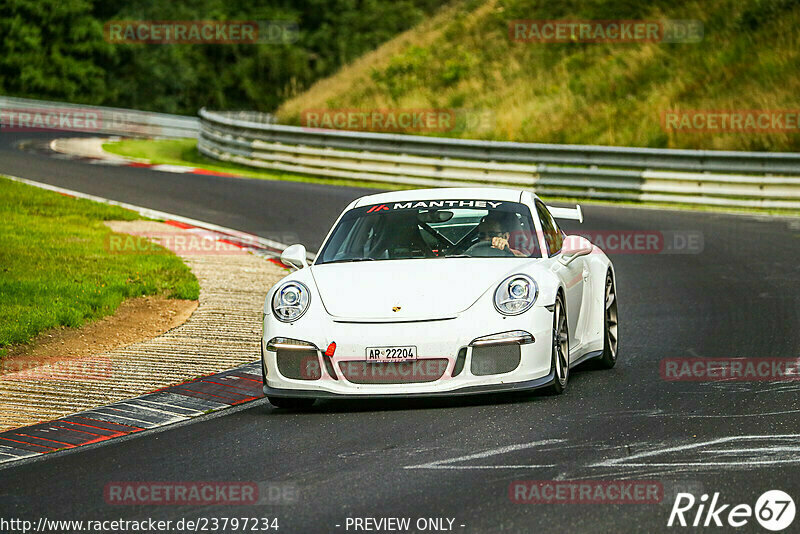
(52, 49)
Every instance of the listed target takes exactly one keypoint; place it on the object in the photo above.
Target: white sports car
(439, 292)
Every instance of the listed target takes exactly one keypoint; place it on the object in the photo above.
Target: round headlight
(290, 301)
(516, 294)
(290, 295)
(518, 289)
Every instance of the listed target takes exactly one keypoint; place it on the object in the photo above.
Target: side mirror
(294, 256)
(575, 246)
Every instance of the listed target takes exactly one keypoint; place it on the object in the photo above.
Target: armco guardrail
(644, 174)
(16, 113)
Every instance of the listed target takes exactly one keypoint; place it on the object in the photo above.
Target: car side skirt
(588, 356)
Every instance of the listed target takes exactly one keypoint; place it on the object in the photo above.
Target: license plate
(391, 354)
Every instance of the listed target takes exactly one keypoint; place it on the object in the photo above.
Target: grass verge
(464, 59)
(56, 269)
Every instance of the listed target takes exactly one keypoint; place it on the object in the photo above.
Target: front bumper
(440, 345)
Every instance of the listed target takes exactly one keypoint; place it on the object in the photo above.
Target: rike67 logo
(774, 510)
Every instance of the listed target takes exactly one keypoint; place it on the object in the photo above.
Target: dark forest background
(56, 50)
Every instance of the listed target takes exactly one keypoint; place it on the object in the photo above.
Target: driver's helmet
(497, 223)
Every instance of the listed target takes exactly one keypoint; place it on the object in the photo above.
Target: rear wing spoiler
(574, 214)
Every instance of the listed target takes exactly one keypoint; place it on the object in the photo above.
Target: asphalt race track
(738, 295)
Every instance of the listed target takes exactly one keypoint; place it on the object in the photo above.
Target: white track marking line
(172, 168)
(738, 415)
(469, 467)
(756, 450)
(625, 461)
(736, 465)
(446, 464)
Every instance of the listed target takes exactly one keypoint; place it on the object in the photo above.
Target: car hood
(420, 289)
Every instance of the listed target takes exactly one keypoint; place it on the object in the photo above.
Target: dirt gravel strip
(223, 332)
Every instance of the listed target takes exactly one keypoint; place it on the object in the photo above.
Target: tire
(560, 348)
(610, 325)
(288, 403)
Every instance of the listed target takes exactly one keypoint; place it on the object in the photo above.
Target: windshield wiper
(349, 260)
(457, 256)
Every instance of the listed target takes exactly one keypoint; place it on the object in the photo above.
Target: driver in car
(491, 229)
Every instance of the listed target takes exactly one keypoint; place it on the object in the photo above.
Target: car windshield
(433, 229)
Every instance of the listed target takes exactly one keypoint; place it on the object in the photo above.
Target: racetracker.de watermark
(50, 119)
(73, 370)
(380, 120)
(185, 243)
(613, 242)
(605, 31)
(200, 32)
(199, 493)
(395, 120)
(729, 369)
(586, 492)
(731, 121)
(416, 370)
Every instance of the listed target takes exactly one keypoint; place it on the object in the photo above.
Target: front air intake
(495, 359)
(427, 370)
(299, 364)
